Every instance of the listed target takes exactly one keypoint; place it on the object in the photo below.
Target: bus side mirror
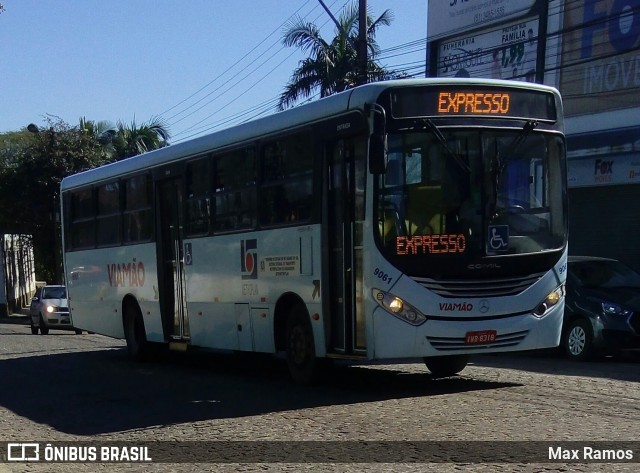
(378, 139)
(377, 153)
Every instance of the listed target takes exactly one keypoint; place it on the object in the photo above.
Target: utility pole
(362, 42)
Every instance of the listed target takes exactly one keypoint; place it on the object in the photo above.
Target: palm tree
(121, 141)
(101, 134)
(133, 140)
(332, 67)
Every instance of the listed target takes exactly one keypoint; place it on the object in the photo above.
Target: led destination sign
(430, 244)
(473, 101)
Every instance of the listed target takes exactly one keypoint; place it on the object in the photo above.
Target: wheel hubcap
(577, 340)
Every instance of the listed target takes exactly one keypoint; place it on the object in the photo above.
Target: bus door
(345, 253)
(171, 277)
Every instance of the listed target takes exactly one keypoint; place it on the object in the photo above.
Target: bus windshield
(472, 193)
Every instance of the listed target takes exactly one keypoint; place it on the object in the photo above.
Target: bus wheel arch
(281, 314)
(294, 335)
(134, 330)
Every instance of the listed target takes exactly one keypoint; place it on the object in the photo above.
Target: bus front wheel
(300, 347)
(443, 366)
(134, 332)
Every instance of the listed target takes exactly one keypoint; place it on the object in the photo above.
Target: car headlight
(51, 309)
(398, 307)
(549, 302)
(614, 309)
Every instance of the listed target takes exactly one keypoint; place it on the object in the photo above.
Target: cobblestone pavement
(65, 387)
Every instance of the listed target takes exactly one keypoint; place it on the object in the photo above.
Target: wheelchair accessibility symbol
(498, 237)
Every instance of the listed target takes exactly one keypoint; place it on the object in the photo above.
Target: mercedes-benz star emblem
(484, 306)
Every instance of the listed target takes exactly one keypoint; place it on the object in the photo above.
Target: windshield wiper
(514, 145)
(498, 163)
(517, 141)
(443, 141)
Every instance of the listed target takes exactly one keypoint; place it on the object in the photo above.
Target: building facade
(590, 51)
(17, 277)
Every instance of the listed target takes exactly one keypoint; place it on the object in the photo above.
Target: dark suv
(50, 310)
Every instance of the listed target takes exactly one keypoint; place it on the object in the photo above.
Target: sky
(200, 65)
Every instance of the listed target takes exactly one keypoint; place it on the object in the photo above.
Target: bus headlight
(549, 302)
(398, 307)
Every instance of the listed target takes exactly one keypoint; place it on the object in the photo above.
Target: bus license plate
(482, 336)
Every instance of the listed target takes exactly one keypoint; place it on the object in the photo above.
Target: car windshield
(54, 293)
(604, 274)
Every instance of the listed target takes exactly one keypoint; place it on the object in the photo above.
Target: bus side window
(198, 178)
(83, 219)
(108, 218)
(235, 190)
(286, 194)
(137, 209)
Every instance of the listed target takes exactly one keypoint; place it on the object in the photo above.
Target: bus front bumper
(397, 339)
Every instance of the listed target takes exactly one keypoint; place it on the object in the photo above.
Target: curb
(18, 319)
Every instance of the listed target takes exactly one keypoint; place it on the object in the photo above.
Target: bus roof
(298, 116)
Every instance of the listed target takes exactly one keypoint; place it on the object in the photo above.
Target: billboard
(600, 68)
(448, 17)
(505, 52)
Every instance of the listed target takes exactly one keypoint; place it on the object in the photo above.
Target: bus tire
(443, 366)
(134, 333)
(300, 346)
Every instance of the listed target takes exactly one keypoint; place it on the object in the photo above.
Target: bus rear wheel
(134, 333)
(443, 366)
(300, 347)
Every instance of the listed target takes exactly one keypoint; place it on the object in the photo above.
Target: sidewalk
(21, 318)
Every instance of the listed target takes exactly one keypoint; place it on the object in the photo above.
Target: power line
(393, 55)
(230, 84)
(395, 52)
(229, 68)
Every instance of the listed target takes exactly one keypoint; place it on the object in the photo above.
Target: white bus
(404, 219)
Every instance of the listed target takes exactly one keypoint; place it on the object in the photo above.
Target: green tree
(332, 66)
(35, 160)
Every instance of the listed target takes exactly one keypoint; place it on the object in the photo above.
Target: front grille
(479, 287)
(458, 343)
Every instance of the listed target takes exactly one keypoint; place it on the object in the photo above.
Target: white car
(50, 310)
